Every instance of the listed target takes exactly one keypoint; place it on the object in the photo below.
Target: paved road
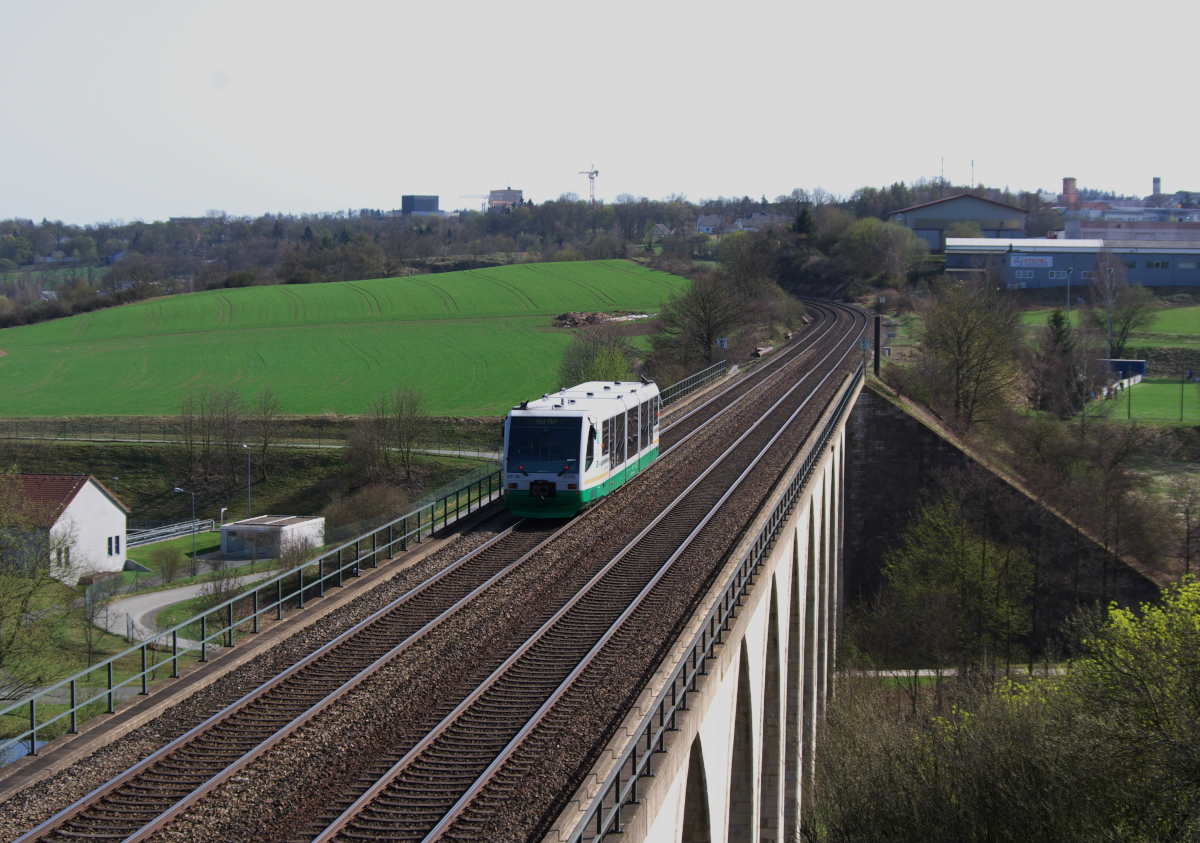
(143, 608)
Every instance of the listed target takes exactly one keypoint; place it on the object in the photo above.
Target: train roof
(593, 394)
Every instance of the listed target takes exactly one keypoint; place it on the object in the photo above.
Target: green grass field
(1176, 326)
(475, 342)
(1159, 399)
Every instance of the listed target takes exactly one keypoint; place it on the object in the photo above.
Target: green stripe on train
(566, 503)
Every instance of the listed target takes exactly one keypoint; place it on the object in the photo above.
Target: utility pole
(877, 319)
(1070, 272)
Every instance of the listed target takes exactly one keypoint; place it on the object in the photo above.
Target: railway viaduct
(735, 758)
(706, 623)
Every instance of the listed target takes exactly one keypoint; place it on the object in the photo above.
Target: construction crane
(591, 174)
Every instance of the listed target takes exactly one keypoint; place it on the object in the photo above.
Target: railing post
(419, 525)
(110, 691)
(279, 599)
(256, 610)
(145, 690)
(204, 638)
(231, 624)
(174, 654)
(74, 713)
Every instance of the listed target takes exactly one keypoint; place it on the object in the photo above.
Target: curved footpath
(144, 608)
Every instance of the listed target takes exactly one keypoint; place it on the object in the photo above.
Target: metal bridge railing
(691, 383)
(137, 538)
(237, 616)
(620, 789)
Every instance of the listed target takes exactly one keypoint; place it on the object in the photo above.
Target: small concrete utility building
(74, 519)
(265, 534)
(930, 220)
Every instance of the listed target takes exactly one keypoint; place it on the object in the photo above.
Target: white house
(708, 224)
(79, 520)
(265, 534)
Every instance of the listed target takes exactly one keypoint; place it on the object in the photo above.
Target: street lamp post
(1110, 298)
(193, 494)
(1070, 272)
(115, 485)
(247, 447)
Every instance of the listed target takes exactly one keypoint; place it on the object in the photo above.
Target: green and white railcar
(567, 450)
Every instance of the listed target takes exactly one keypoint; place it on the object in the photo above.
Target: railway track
(464, 735)
(147, 796)
(431, 786)
(687, 423)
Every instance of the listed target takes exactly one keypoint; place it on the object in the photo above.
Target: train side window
(631, 430)
(591, 447)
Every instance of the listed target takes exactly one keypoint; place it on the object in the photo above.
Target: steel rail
(66, 815)
(670, 699)
(56, 822)
(767, 371)
(593, 654)
(364, 800)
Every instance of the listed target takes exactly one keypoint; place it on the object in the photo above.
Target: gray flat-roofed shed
(264, 534)
(930, 220)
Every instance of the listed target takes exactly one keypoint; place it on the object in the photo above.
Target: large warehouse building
(930, 220)
(1030, 263)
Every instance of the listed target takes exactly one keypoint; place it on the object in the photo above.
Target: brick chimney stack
(1070, 194)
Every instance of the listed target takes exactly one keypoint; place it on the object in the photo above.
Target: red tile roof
(45, 496)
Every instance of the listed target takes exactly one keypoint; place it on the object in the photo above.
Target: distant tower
(1157, 185)
(1070, 194)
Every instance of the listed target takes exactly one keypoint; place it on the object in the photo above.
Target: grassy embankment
(472, 341)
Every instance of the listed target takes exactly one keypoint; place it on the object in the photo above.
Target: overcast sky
(127, 110)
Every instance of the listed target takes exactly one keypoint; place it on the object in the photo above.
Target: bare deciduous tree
(1132, 307)
(266, 425)
(691, 322)
(407, 423)
(972, 334)
(588, 345)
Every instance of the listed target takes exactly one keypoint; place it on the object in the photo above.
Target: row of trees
(217, 426)
(829, 236)
(975, 369)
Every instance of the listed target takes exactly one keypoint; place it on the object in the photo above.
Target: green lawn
(1158, 399)
(475, 342)
(1174, 326)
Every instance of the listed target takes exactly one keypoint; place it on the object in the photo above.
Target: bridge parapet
(713, 750)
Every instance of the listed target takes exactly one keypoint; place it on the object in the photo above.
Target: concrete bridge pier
(735, 768)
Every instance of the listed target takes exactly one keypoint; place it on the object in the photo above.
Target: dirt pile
(578, 320)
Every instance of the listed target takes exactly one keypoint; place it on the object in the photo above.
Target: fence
(285, 591)
(166, 431)
(691, 383)
(238, 616)
(137, 538)
(620, 789)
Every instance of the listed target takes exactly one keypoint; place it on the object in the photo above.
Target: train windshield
(544, 444)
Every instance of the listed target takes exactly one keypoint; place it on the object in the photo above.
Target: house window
(1189, 265)
(1158, 264)
(118, 545)
(1059, 274)
(1130, 264)
(1089, 276)
(1024, 273)
(110, 545)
